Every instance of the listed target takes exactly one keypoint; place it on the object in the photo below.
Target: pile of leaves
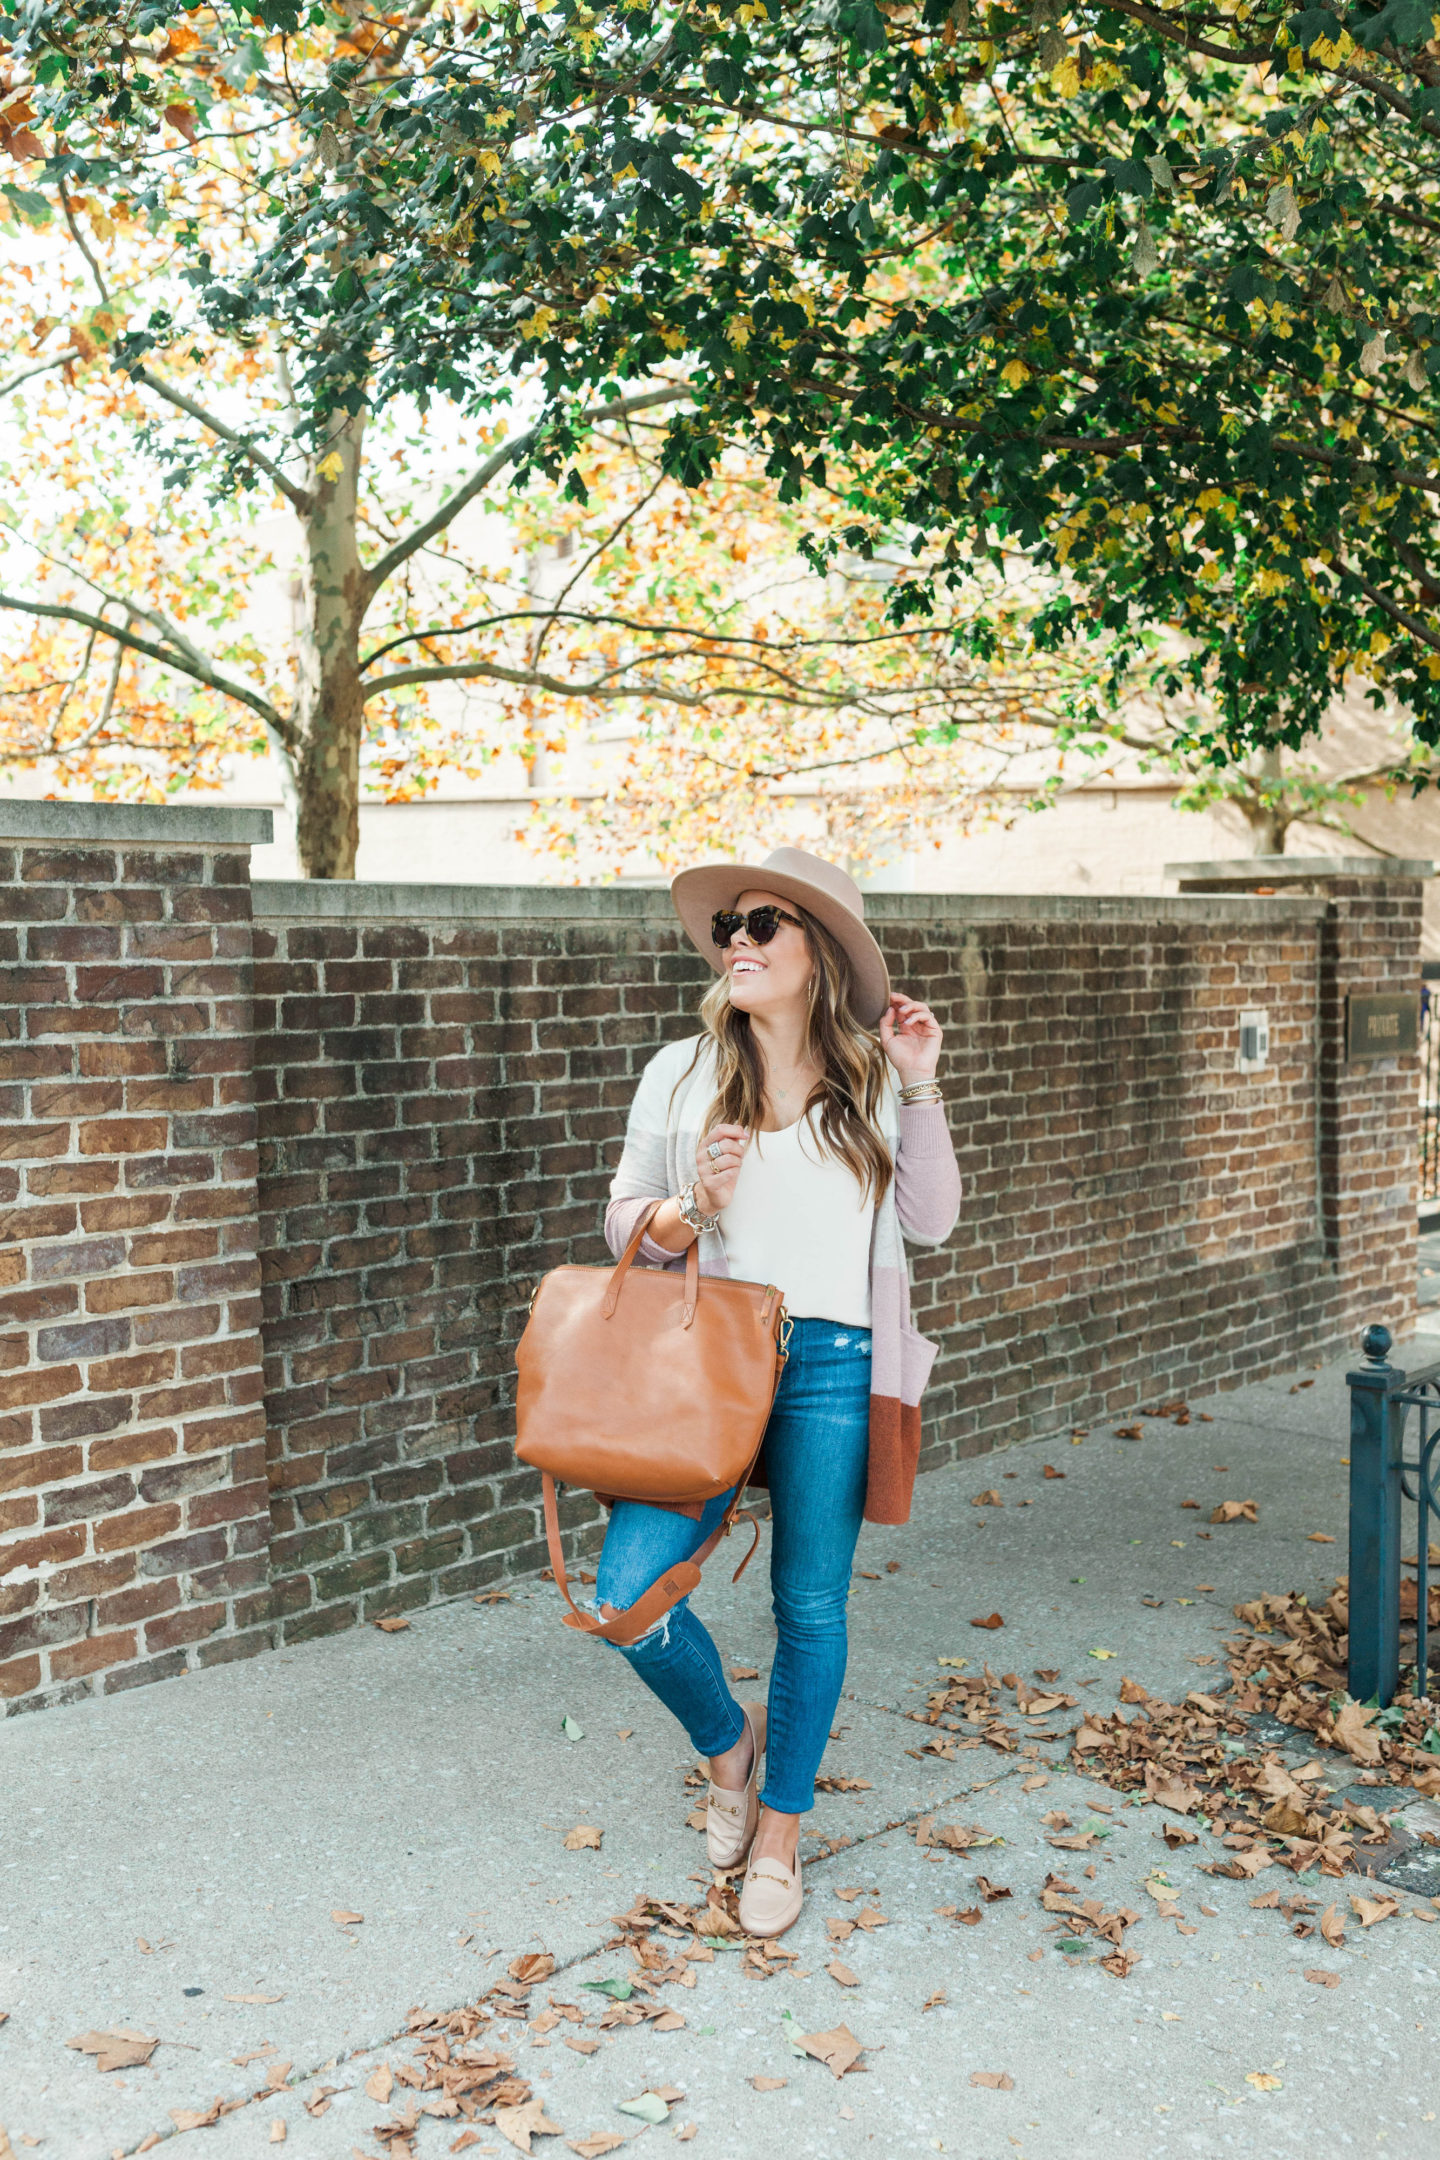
(1302, 1682)
(970, 1709)
(459, 2071)
(1193, 1758)
(700, 1930)
(1087, 1917)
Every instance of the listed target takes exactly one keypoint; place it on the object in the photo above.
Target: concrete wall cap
(317, 899)
(1290, 869)
(110, 823)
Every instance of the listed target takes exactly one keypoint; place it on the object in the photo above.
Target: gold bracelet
(922, 1091)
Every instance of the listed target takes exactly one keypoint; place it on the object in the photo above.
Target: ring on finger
(715, 1151)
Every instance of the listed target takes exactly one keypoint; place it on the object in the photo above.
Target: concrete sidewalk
(175, 1861)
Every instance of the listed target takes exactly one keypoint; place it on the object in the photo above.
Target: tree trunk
(1266, 811)
(329, 704)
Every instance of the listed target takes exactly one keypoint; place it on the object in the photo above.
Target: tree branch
(450, 509)
(297, 497)
(198, 669)
(78, 237)
(1382, 600)
(36, 367)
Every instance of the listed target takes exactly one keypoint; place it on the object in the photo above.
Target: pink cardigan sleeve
(620, 1218)
(927, 1176)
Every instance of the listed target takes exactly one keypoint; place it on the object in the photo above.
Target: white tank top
(797, 1220)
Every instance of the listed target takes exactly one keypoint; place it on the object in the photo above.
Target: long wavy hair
(851, 1061)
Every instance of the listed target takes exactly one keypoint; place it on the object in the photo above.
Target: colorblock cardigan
(921, 1204)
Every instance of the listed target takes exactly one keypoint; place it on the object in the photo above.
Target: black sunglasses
(761, 922)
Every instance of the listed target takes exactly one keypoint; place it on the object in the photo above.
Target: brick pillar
(133, 1519)
(1367, 1111)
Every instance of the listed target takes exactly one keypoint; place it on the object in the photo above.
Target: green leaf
(790, 2026)
(648, 2106)
(570, 1728)
(618, 1990)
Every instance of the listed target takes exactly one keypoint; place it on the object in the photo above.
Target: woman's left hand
(911, 1037)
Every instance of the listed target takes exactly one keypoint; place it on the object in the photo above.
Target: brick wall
(441, 1077)
(133, 1518)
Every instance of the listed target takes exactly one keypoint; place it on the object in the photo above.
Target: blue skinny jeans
(816, 1456)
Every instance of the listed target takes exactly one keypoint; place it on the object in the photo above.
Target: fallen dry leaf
(1263, 2080)
(493, 1597)
(1051, 1471)
(1132, 1692)
(993, 2080)
(1176, 1834)
(346, 1919)
(255, 1998)
(531, 1967)
(838, 2049)
(391, 1627)
(1236, 1511)
(591, 2148)
(581, 2047)
(1319, 1537)
(197, 2118)
(1368, 1910)
(520, 2124)
(842, 1974)
(116, 2049)
(380, 2083)
(936, 2001)
(769, 2084)
(744, 1672)
(988, 1498)
(870, 1917)
(1332, 1927)
(583, 1838)
(991, 1620)
(1352, 1731)
(277, 2130)
(684, 2134)
(1321, 1977)
(990, 1891)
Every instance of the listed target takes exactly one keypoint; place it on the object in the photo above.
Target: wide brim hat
(821, 888)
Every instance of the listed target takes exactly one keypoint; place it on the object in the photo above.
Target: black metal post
(1377, 1428)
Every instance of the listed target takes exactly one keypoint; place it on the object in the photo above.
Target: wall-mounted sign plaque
(1382, 1026)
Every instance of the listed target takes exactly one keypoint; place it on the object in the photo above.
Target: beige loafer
(771, 1898)
(730, 1817)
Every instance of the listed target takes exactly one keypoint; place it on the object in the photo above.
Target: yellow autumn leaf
(1065, 79)
(330, 468)
(1014, 373)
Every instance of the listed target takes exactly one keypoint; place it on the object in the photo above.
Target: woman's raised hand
(717, 1165)
(911, 1037)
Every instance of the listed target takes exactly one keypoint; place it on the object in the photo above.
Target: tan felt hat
(821, 888)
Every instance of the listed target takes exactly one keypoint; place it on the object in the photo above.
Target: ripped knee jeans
(816, 1459)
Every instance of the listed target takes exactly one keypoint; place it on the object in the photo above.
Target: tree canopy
(1145, 293)
(188, 576)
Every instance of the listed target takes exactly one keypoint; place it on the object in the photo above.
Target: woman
(797, 1147)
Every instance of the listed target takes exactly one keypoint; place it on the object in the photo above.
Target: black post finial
(1376, 1343)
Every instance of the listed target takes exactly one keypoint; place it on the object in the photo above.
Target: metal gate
(1430, 1091)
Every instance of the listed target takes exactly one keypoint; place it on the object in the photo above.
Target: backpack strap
(624, 1628)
